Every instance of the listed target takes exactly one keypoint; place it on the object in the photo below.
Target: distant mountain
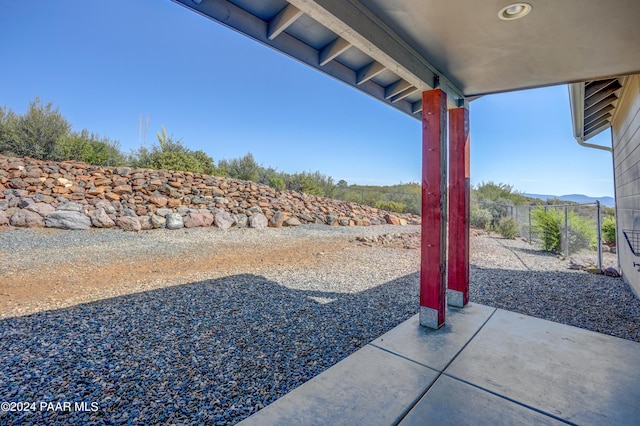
(576, 198)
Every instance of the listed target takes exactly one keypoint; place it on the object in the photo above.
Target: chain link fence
(572, 230)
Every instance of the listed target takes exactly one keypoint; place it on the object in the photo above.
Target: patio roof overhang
(395, 50)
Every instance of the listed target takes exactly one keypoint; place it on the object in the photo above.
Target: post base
(429, 318)
(455, 298)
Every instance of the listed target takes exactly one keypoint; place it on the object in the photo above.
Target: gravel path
(218, 345)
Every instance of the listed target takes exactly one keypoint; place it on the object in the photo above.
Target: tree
(8, 137)
(245, 168)
(35, 134)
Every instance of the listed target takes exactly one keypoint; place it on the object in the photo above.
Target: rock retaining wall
(73, 195)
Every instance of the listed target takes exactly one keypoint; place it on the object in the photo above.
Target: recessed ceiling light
(514, 11)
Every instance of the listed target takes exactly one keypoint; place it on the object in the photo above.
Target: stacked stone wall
(74, 195)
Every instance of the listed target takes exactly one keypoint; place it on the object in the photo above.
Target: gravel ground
(512, 275)
(219, 346)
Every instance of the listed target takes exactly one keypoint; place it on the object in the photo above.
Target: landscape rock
(100, 219)
(69, 207)
(145, 223)
(277, 220)
(67, 219)
(25, 202)
(158, 221)
(124, 191)
(26, 218)
(106, 206)
(258, 221)
(42, 209)
(223, 220)
(163, 212)
(159, 201)
(292, 221)
(193, 220)
(392, 219)
(242, 220)
(128, 223)
(174, 221)
(4, 220)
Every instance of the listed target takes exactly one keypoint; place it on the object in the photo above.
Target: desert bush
(480, 218)
(171, 154)
(609, 229)
(391, 206)
(277, 183)
(546, 223)
(90, 148)
(508, 228)
(582, 233)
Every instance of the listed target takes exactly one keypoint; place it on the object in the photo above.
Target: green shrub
(480, 218)
(277, 183)
(508, 228)
(90, 148)
(547, 223)
(171, 154)
(391, 206)
(609, 229)
(582, 233)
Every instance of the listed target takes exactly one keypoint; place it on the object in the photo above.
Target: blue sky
(106, 64)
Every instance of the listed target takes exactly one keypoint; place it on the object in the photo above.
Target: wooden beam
(283, 20)
(459, 208)
(396, 88)
(434, 209)
(354, 22)
(334, 49)
(410, 91)
(369, 71)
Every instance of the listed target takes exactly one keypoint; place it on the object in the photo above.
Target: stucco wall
(626, 162)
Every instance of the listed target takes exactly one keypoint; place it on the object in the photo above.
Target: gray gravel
(204, 352)
(512, 275)
(213, 351)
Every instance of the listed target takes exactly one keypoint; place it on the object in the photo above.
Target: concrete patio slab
(435, 348)
(371, 386)
(485, 366)
(578, 375)
(454, 403)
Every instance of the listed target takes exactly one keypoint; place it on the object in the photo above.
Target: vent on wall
(600, 97)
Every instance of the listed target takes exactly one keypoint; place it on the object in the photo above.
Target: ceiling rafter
(369, 71)
(334, 49)
(287, 16)
(410, 91)
(351, 20)
(395, 88)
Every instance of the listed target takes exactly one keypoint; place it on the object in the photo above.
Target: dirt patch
(66, 284)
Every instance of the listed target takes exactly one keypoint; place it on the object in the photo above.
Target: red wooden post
(459, 189)
(434, 209)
